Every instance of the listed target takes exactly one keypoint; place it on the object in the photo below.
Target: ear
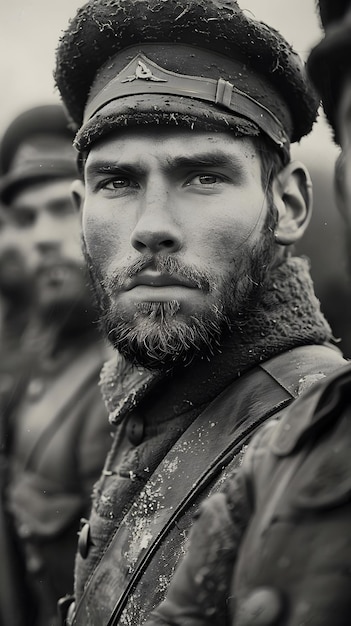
(78, 194)
(292, 191)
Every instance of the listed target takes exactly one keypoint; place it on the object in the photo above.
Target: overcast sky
(30, 29)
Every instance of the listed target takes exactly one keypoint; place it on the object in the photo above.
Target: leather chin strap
(144, 77)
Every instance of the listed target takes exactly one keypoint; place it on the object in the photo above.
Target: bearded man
(190, 204)
(15, 303)
(274, 548)
(57, 434)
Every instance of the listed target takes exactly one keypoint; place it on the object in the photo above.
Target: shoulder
(321, 403)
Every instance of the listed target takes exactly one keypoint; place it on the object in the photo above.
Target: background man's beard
(72, 310)
(71, 319)
(156, 338)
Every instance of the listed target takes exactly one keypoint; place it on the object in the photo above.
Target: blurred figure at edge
(59, 433)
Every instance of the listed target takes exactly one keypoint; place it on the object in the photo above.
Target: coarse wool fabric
(102, 28)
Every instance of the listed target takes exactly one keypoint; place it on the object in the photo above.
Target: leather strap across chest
(210, 443)
(57, 403)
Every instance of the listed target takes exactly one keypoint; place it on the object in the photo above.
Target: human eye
(117, 184)
(23, 218)
(62, 208)
(206, 180)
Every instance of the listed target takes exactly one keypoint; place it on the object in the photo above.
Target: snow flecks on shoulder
(143, 513)
(170, 466)
(307, 381)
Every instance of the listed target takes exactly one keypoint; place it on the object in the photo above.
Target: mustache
(163, 265)
(59, 262)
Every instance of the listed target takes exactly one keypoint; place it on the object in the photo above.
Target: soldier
(15, 285)
(283, 523)
(190, 204)
(15, 301)
(59, 431)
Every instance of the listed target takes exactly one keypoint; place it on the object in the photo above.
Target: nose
(156, 230)
(46, 235)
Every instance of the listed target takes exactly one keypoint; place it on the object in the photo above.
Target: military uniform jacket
(282, 526)
(294, 564)
(129, 553)
(61, 439)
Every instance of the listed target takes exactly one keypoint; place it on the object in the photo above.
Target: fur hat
(203, 64)
(36, 146)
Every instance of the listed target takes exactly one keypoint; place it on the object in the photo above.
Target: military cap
(203, 64)
(330, 60)
(37, 145)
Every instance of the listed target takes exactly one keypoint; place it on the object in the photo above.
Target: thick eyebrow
(55, 204)
(107, 167)
(60, 203)
(169, 164)
(205, 159)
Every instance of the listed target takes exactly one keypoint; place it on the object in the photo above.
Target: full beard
(154, 337)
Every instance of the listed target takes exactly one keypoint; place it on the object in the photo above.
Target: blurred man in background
(15, 283)
(59, 430)
(16, 291)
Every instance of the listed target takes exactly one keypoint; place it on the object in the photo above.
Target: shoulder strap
(62, 397)
(225, 425)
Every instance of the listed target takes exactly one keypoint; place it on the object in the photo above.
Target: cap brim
(156, 109)
(17, 179)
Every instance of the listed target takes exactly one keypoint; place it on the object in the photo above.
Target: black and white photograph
(175, 300)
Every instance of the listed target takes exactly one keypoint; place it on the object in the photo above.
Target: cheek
(72, 239)
(231, 233)
(31, 252)
(104, 237)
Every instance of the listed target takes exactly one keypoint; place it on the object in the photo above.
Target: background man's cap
(36, 146)
(202, 64)
(330, 60)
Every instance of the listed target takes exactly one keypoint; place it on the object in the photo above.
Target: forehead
(169, 143)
